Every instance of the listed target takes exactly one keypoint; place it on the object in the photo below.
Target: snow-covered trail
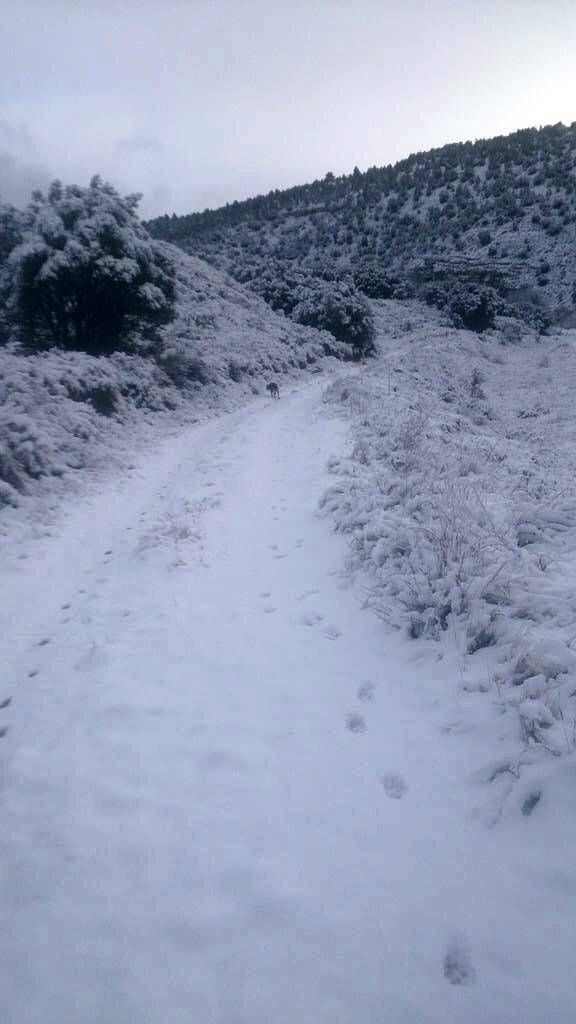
(226, 798)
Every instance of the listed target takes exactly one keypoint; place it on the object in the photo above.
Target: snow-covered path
(226, 798)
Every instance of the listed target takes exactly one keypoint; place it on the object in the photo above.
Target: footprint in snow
(394, 786)
(308, 593)
(332, 632)
(268, 608)
(355, 723)
(366, 691)
(223, 762)
(457, 964)
(310, 618)
(264, 593)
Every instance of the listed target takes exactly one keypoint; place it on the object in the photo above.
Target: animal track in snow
(458, 966)
(355, 723)
(223, 762)
(308, 593)
(268, 608)
(332, 632)
(394, 786)
(366, 691)
(310, 618)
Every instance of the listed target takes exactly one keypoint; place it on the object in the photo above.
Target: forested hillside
(499, 212)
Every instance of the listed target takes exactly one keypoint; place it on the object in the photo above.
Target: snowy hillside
(500, 210)
(63, 411)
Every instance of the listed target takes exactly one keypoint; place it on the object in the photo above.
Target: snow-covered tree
(10, 230)
(337, 307)
(10, 237)
(87, 275)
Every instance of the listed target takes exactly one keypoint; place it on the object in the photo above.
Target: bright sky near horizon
(196, 103)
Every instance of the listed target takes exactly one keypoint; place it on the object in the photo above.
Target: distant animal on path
(273, 389)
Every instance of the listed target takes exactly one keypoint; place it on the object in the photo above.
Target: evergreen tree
(86, 275)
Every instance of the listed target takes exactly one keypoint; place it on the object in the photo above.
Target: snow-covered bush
(317, 296)
(471, 306)
(11, 224)
(184, 363)
(338, 308)
(375, 282)
(86, 274)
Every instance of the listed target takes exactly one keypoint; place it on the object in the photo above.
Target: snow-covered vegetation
(85, 275)
(197, 677)
(458, 497)
(499, 211)
(63, 409)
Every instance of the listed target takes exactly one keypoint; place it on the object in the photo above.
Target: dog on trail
(273, 389)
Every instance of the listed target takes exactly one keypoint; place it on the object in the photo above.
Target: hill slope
(62, 411)
(501, 210)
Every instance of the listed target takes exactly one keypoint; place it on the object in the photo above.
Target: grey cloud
(140, 144)
(20, 170)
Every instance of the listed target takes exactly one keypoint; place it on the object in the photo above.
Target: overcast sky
(199, 102)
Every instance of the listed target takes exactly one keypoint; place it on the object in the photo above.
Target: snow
(458, 496)
(231, 793)
(67, 415)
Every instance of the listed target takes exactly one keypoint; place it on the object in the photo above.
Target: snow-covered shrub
(317, 296)
(338, 308)
(86, 274)
(471, 306)
(476, 381)
(24, 451)
(184, 364)
(54, 407)
(11, 225)
(237, 370)
(375, 282)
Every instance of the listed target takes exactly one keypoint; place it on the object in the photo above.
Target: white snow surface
(231, 794)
